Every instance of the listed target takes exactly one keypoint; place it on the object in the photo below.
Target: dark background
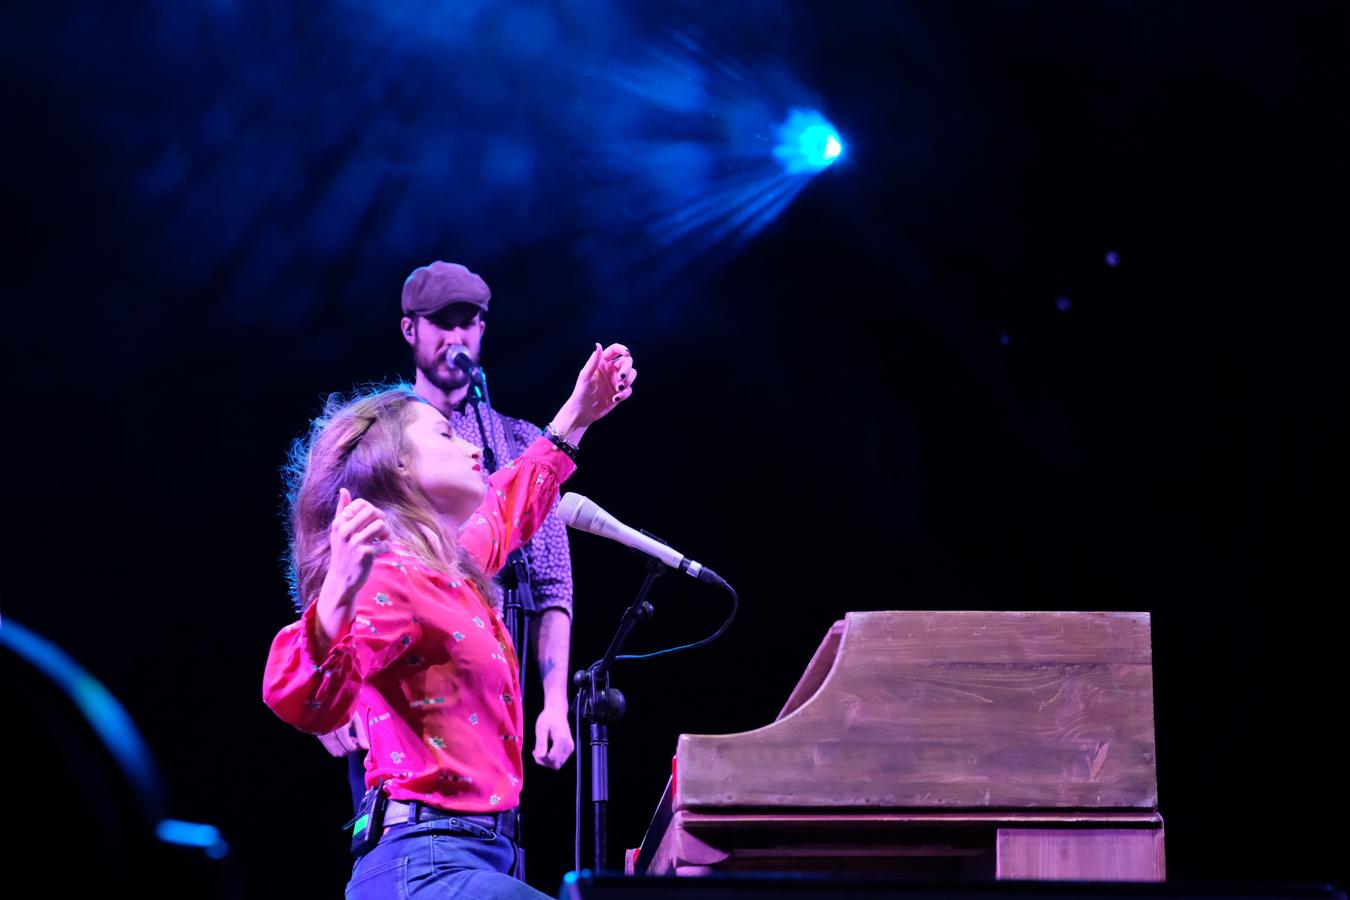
(919, 386)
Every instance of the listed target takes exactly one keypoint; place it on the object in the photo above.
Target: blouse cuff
(310, 627)
(546, 454)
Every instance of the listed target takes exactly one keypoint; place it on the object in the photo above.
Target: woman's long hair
(358, 443)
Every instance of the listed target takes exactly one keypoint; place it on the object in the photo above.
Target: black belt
(398, 812)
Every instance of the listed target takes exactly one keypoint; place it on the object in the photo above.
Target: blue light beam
(807, 143)
(700, 149)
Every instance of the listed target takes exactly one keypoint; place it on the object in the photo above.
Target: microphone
(457, 357)
(584, 514)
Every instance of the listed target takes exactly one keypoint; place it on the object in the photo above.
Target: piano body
(1016, 745)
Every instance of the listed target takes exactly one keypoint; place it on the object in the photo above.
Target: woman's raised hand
(358, 534)
(605, 381)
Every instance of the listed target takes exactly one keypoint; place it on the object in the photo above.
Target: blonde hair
(358, 443)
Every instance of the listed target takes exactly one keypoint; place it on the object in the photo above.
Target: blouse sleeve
(319, 695)
(520, 495)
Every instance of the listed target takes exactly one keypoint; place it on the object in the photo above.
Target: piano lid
(949, 710)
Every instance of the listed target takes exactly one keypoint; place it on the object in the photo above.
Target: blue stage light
(807, 142)
(193, 834)
(698, 148)
(105, 715)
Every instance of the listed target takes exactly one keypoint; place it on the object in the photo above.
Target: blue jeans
(435, 859)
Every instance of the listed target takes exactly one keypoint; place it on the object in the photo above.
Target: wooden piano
(1015, 745)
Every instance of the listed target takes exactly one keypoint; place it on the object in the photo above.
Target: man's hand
(552, 738)
(347, 739)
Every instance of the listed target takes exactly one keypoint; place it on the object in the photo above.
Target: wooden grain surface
(1113, 846)
(936, 710)
(1112, 854)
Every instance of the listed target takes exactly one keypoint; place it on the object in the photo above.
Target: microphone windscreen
(452, 354)
(579, 512)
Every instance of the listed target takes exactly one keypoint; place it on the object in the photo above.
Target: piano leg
(682, 853)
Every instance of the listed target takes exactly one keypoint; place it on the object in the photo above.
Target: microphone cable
(702, 642)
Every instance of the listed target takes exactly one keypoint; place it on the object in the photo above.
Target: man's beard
(430, 367)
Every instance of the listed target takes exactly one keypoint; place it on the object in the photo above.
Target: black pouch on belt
(368, 824)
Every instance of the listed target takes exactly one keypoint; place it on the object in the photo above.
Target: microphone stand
(601, 705)
(514, 578)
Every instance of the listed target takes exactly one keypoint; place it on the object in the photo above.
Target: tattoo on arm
(548, 665)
